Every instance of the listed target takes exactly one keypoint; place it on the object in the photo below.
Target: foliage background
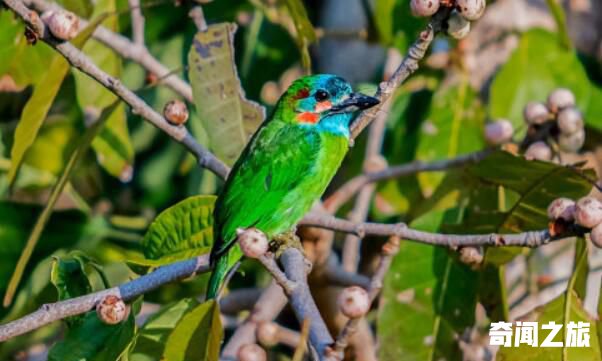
(133, 171)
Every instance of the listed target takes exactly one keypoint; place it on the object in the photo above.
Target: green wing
(263, 180)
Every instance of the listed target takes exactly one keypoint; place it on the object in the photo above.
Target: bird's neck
(337, 124)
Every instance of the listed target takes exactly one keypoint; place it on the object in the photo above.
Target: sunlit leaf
(305, 30)
(70, 279)
(151, 338)
(185, 229)
(227, 115)
(197, 336)
(113, 147)
(37, 107)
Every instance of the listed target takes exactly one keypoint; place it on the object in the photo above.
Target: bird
(285, 167)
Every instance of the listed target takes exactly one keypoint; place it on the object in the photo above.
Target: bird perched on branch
(286, 166)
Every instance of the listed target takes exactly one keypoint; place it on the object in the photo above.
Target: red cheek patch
(308, 117)
(322, 106)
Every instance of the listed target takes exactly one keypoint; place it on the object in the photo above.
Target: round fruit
(176, 112)
(354, 302)
(63, 24)
(424, 8)
(253, 242)
(559, 99)
(588, 212)
(596, 236)
(251, 352)
(562, 208)
(539, 151)
(112, 310)
(571, 142)
(499, 132)
(536, 113)
(570, 121)
(471, 9)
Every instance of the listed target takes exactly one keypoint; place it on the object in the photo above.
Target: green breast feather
(280, 175)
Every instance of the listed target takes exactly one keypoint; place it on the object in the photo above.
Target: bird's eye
(321, 95)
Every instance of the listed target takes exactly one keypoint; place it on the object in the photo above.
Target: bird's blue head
(325, 101)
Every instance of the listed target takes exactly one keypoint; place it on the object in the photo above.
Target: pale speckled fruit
(539, 151)
(354, 302)
(588, 212)
(176, 112)
(562, 208)
(571, 143)
(112, 310)
(64, 25)
(570, 120)
(499, 132)
(471, 9)
(559, 99)
(424, 8)
(251, 352)
(596, 236)
(536, 113)
(457, 26)
(253, 242)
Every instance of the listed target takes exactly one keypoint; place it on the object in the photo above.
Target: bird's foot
(283, 241)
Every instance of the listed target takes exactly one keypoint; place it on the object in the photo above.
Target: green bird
(285, 167)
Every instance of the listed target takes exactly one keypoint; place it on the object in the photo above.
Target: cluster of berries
(557, 122)
(458, 23)
(586, 212)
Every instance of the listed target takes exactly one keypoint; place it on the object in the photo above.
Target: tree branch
(408, 66)
(352, 186)
(128, 50)
(137, 22)
(80, 61)
(59, 310)
(401, 230)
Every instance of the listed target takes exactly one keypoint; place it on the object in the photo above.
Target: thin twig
(524, 239)
(137, 22)
(59, 310)
(408, 66)
(80, 61)
(128, 50)
(352, 186)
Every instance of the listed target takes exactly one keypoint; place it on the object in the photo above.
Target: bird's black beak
(356, 101)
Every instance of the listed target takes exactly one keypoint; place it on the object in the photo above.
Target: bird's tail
(220, 268)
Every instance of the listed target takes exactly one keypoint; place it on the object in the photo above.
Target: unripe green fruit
(457, 26)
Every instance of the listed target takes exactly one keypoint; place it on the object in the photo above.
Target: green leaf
(181, 231)
(151, 338)
(113, 146)
(395, 23)
(38, 228)
(529, 76)
(37, 107)
(454, 126)
(70, 280)
(94, 340)
(428, 297)
(228, 117)
(305, 31)
(566, 308)
(24, 63)
(197, 336)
